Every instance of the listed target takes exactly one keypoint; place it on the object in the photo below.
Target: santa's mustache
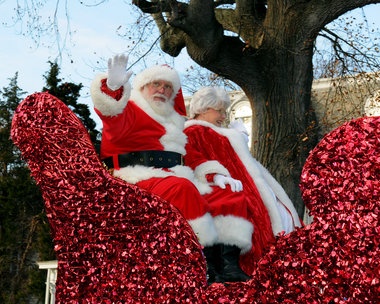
(161, 96)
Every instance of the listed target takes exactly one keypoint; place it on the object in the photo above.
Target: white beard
(163, 108)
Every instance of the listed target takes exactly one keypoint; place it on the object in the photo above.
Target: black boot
(231, 269)
(213, 260)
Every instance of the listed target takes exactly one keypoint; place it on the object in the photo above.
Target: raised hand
(117, 72)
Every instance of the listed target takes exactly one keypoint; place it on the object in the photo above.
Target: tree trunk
(283, 121)
(270, 58)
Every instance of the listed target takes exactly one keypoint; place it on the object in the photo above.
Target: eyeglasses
(220, 111)
(161, 84)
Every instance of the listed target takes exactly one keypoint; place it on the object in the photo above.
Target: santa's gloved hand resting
(222, 181)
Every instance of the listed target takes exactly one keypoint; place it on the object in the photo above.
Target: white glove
(117, 73)
(238, 125)
(222, 181)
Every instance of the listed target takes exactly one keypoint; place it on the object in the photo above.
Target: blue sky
(93, 40)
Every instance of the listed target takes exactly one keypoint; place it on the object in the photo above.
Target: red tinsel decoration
(116, 243)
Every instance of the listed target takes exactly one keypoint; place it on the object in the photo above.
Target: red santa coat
(130, 124)
(211, 150)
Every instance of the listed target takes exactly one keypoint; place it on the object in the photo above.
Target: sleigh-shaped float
(116, 243)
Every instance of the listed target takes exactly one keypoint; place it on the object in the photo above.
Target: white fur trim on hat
(158, 72)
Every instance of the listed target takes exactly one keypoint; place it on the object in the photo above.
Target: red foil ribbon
(116, 243)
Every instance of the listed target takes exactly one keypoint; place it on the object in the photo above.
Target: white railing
(51, 278)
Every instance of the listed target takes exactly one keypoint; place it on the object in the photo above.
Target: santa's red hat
(179, 103)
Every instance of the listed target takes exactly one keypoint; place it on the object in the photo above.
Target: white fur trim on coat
(135, 174)
(209, 167)
(233, 230)
(266, 184)
(174, 139)
(284, 204)
(104, 103)
(204, 229)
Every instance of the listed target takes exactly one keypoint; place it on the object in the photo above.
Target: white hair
(208, 97)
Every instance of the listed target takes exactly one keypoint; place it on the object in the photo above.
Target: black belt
(152, 158)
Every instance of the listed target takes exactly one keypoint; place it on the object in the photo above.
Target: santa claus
(144, 144)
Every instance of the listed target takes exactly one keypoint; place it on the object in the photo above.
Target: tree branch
(152, 7)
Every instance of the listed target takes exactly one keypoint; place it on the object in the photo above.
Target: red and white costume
(214, 150)
(129, 125)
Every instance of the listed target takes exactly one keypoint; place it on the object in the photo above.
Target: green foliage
(69, 93)
(24, 230)
(24, 234)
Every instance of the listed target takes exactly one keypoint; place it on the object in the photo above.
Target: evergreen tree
(68, 92)
(24, 230)
(24, 233)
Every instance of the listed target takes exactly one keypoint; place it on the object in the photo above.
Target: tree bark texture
(265, 47)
